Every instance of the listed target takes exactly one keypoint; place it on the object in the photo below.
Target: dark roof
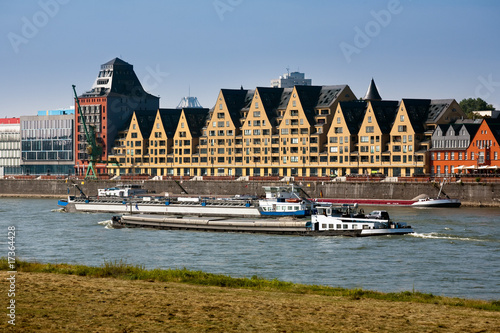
(436, 108)
(471, 128)
(116, 61)
(385, 113)
(285, 97)
(309, 96)
(354, 112)
(119, 80)
(196, 119)
(444, 128)
(494, 125)
(372, 93)
(170, 120)
(418, 110)
(145, 119)
(329, 94)
(236, 100)
(271, 100)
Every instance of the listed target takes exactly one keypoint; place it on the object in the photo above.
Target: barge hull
(290, 227)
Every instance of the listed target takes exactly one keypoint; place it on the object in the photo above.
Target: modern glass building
(47, 144)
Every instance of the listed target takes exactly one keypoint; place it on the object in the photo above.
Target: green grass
(122, 270)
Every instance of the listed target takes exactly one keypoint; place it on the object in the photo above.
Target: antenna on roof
(288, 69)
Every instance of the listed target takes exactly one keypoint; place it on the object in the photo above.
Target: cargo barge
(343, 220)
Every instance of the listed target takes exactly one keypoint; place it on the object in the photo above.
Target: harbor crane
(94, 150)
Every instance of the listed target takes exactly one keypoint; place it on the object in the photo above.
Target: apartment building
(449, 147)
(304, 131)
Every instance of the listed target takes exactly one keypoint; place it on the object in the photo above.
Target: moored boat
(438, 201)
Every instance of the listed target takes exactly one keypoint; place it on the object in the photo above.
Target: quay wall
(471, 194)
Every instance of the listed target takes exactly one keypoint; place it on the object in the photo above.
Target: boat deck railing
(165, 201)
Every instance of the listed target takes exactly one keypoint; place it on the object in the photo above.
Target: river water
(454, 252)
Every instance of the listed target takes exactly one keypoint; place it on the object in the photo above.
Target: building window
(369, 129)
(402, 128)
(402, 118)
(220, 106)
(256, 113)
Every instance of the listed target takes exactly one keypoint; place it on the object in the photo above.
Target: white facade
(488, 113)
(289, 80)
(10, 147)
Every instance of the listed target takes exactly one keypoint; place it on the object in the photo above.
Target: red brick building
(108, 107)
(466, 148)
(484, 151)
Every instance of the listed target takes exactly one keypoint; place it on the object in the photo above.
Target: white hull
(216, 210)
(437, 203)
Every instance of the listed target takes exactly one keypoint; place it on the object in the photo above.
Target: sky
(412, 49)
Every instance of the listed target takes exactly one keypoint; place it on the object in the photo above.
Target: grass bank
(117, 297)
(124, 271)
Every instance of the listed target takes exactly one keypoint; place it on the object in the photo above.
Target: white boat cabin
(348, 217)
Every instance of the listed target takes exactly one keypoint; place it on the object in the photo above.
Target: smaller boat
(122, 191)
(438, 201)
(284, 201)
(348, 220)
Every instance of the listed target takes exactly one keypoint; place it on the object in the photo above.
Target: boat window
(328, 211)
(323, 226)
(354, 226)
(330, 226)
(346, 226)
(339, 226)
(365, 226)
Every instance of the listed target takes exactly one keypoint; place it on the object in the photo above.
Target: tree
(474, 104)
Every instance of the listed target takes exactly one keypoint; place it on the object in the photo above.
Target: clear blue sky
(413, 49)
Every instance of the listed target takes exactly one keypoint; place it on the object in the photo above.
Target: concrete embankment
(471, 194)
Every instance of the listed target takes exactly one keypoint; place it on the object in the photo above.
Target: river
(455, 251)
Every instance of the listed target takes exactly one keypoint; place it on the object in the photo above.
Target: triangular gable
(351, 116)
(385, 113)
(170, 119)
(195, 120)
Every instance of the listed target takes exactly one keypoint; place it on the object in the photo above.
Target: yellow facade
(371, 143)
(159, 145)
(307, 131)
